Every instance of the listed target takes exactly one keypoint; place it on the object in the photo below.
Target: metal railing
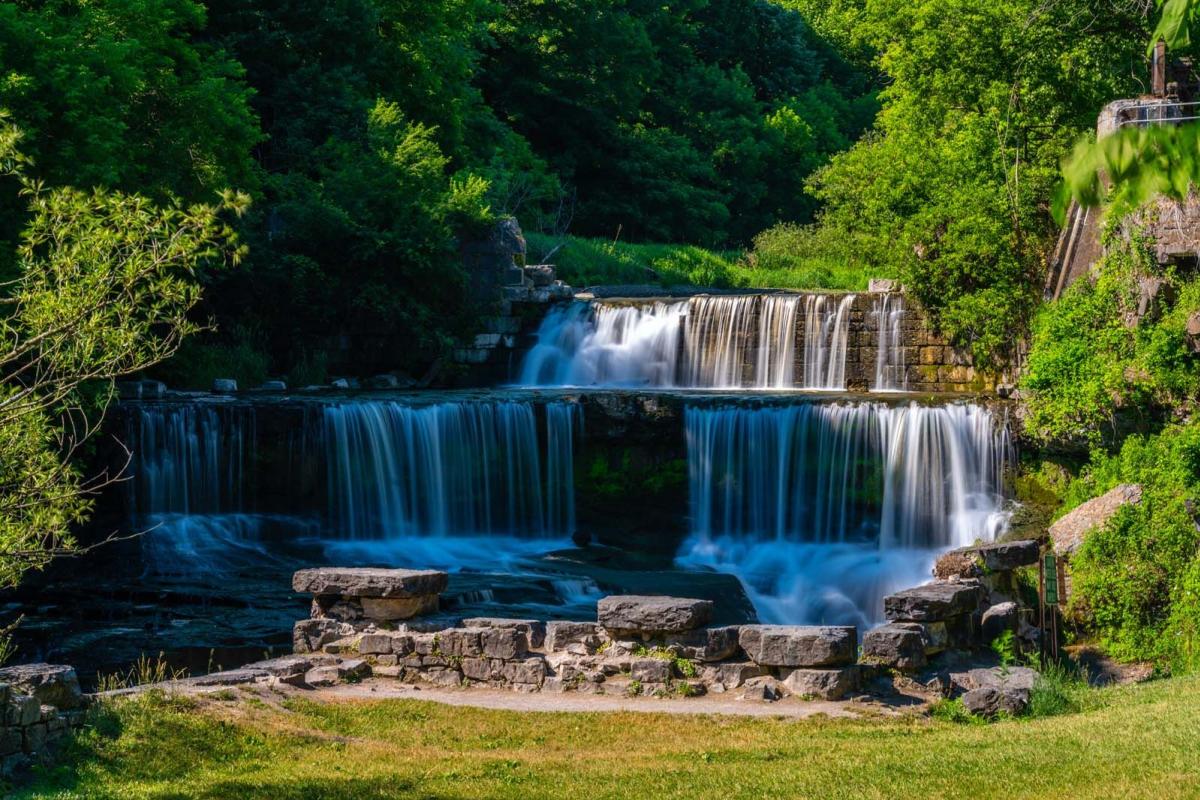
(1159, 112)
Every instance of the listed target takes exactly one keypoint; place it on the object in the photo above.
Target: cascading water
(187, 488)
(826, 337)
(720, 342)
(890, 372)
(821, 509)
(449, 469)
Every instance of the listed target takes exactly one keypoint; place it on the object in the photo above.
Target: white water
(721, 342)
(822, 509)
(448, 469)
(890, 369)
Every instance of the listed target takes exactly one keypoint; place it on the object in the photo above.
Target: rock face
(52, 684)
(1069, 532)
(933, 601)
(974, 562)
(897, 645)
(822, 684)
(652, 615)
(799, 645)
(369, 582)
(998, 619)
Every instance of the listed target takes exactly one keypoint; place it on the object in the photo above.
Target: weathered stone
(534, 630)
(706, 644)
(347, 644)
(932, 601)
(505, 643)
(449, 678)
(883, 285)
(464, 642)
(481, 669)
(764, 688)
(387, 671)
(540, 275)
(974, 562)
(529, 672)
(224, 385)
(343, 609)
(347, 669)
(649, 614)
(35, 738)
(799, 645)
(10, 740)
(310, 635)
(53, 684)
(896, 645)
(999, 689)
(390, 609)
(369, 582)
(650, 670)
(730, 675)
(935, 635)
(1068, 532)
(327, 675)
(23, 709)
(230, 677)
(561, 634)
(372, 644)
(822, 684)
(998, 619)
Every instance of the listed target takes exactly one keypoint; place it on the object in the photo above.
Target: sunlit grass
(1134, 742)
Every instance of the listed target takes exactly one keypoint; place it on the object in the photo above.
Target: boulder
(999, 689)
(822, 684)
(53, 684)
(974, 562)
(764, 688)
(706, 644)
(369, 582)
(883, 285)
(896, 645)
(540, 275)
(729, 675)
(310, 635)
(799, 645)
(998, 619)
(933, 601)
(653, 614)
(224, 385)
(1068, 532)
(650, 670)
(562, 634)
(534, 630)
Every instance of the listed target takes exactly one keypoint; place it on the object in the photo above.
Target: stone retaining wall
(40, 703)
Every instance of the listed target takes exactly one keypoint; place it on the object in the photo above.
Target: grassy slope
(591, 262)
(1141, 742)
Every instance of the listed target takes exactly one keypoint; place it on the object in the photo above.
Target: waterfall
(826, 337)
(718, 342)
(823, 508)
(449, 469)
(890, 372)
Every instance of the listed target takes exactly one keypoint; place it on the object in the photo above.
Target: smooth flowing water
(719, 342)
(891, 374)
(821, 509)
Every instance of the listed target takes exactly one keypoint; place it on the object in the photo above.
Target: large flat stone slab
(1069, 532)
(369, 582)
(897, 645)
(52, 684)
(980, 560)
(799, 645)
(653, 614)
(932, 602)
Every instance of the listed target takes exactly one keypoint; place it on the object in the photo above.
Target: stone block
(372, 644)
(648, 614)
(530, 672)
(503, 643)
(896, 645)
(53, 684)
(998, 619)
(764, 689)
(391, 609)
(561, 634)
(23, 709)
(933, 601)
(224, 385)
(822, 684)
(10, 740)
(799, 645)
(650, 670)
(369, 582)
(706, 644)
(534, 630)
(730, 675)
(481, 669)
(460, 642)
(34, 738)
(540, 275)
(979, 560)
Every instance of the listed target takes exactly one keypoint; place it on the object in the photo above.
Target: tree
(106, 281)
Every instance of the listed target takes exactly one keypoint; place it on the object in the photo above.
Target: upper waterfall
(751, 341)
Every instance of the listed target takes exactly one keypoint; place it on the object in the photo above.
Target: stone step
(799, 645)
(369, 582)
(933, 601)
(651, 614)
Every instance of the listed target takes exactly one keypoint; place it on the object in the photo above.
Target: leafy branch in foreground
(105, 283)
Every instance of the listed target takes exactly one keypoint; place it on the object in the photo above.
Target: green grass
(594, 262)
(1136, 741)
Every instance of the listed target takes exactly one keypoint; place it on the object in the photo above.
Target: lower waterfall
(822, 509)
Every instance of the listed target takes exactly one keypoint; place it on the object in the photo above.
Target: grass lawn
(1141, 741)
(591, 262)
